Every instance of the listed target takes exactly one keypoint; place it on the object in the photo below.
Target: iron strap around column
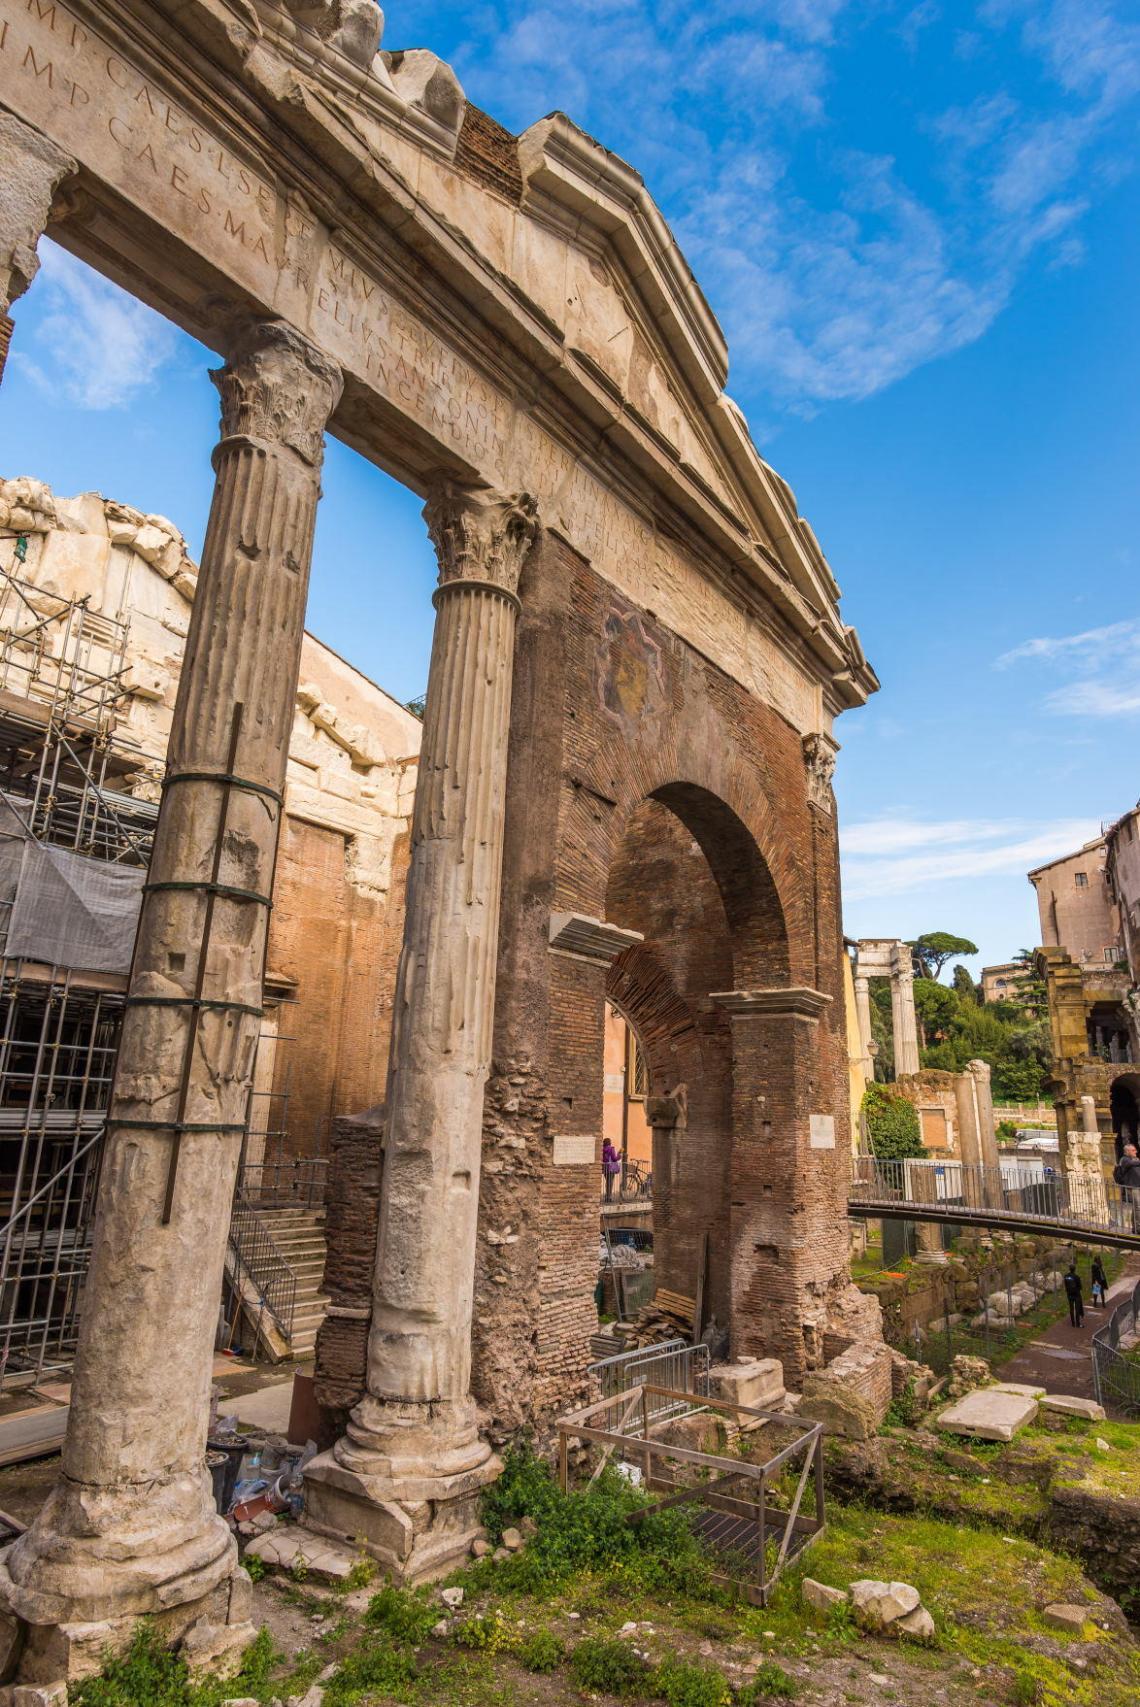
(177, 1125)
(211, 890)
(231, 781)
(193, 1002)
(226, 890)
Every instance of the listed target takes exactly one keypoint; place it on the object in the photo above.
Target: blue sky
(920, 227)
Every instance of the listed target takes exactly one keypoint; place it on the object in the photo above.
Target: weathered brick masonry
(669, 801)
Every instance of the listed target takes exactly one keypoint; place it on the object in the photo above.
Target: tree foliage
(933, 949)
(892, 1125)
(964, 984)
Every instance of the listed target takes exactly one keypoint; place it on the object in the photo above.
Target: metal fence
(980, 1315)
(1023, 1192)
(633, 1185)
(286, 1182)
(673, 1365)
(1116, 1372)
(259, 1267)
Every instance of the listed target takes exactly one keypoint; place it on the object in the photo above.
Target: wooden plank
(809, 1465)
(32, 1433)
(699, 1295)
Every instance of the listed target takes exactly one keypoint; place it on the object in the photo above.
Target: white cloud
(1114, 639)
(837, 271)
(886, 857)
(1092, 698)
(1113, 651)
(96, 346)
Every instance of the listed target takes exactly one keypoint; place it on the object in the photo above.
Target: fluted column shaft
(866, 1034)
(420, 1343)
(904, 1023)
(136, 1434)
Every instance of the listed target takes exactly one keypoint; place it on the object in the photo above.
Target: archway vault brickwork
(648, 790)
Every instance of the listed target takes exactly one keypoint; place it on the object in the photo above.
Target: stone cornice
(795, 1003)
(589, 939)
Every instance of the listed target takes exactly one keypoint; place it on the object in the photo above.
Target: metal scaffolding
(64, 760)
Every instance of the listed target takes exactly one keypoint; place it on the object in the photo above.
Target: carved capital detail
(278, 389)
(480, 535)
(820, 754)
(31, 169)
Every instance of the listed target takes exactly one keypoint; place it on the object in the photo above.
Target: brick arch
(745, 804)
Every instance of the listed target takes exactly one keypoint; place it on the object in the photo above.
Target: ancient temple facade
(624, 787)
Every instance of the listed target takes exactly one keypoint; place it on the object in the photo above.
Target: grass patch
(149, 1674)
(587, 1531)
(610, 1667)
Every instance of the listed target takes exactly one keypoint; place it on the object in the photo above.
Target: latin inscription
(61, 75)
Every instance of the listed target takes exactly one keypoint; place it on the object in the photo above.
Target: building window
(1081, 879)
(636, 1077)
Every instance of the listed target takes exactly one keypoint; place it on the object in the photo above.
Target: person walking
(1075, 1295)
(611, 1167)
(1099, 1283)
(1126, 1173)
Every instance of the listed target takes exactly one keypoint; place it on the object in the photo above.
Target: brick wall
(339, 943)
(648, 789)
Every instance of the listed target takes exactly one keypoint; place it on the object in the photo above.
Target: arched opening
(689, 877)
(1124, 1107)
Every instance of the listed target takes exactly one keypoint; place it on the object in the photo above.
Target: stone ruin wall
(338, 895)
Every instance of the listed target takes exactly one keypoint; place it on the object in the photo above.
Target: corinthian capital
(820, 754)
(278, 389)
(480, 535)
(31, 168)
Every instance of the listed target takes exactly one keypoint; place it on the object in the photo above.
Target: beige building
(1076, 908)
(1122, 874)
(95, 602)
(1003, 983)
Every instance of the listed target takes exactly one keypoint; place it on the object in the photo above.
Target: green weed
(682, 1684)
(401, 1615)
(610, 1667)
(771, 1680)
(541, 1651)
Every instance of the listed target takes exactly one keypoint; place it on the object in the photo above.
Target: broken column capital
(31, 169)
(820, 754)
(277, 389)
(480, 536)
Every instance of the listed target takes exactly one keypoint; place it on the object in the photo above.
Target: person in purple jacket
(611, 1167)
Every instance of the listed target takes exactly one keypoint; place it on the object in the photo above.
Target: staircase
(299, 1236)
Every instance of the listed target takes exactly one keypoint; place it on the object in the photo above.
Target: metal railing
(259, 1266)
(289, 1182)
(633, 1185)
(1025, 1194)
(673, 1365)
(1116, 1372)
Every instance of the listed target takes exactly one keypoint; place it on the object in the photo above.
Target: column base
(97, 1560)
(404, 1484)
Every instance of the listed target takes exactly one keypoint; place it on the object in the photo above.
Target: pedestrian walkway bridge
(1022, 1196)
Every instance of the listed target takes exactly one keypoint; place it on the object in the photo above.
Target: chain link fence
(1116, 1357)
(981, 1314)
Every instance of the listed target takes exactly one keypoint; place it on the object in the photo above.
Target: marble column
(405, 1476)
(866, 1036)
(130, 1528)
(31, 170)
(904, 1022)
(1084, 1168)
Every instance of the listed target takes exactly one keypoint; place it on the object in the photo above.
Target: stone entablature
(579, 287)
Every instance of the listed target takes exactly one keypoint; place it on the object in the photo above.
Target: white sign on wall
(823, 1132)
(574, 1152)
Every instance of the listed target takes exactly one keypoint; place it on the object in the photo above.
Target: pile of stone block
(888, 1609)
(851, 1394)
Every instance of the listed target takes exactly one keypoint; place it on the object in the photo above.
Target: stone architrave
(405, 1475)
(130, 1528)
(31, 170)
